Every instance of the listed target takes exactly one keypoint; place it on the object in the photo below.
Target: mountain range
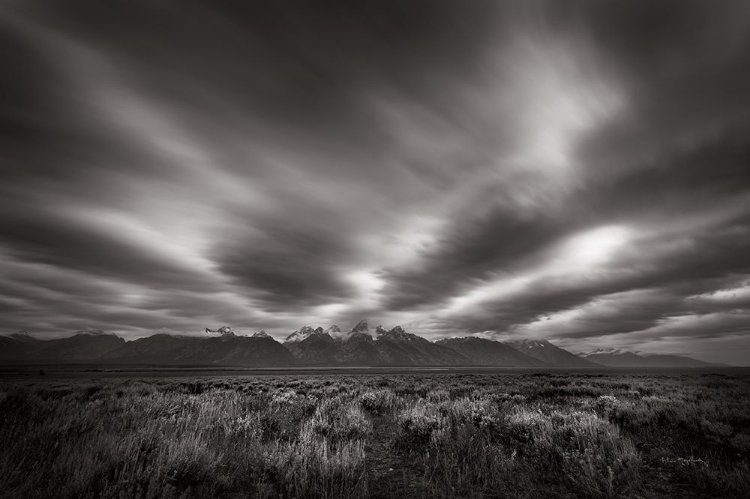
(310, 346)
(360, 346)
(613, 357)
(82, 346)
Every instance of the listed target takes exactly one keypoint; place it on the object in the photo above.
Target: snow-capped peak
(261, 334)
(335, 332)
(223, 330)
(303, 333)
(396, 332)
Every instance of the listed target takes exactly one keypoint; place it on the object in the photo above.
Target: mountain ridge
(491, 353)
(547, 352)
(310, 346)
(615, 357)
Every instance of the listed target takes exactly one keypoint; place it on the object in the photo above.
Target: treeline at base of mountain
(310, 346)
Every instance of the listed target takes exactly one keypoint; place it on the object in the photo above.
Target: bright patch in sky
(590, 249)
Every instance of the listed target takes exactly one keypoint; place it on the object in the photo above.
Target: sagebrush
(422, 435)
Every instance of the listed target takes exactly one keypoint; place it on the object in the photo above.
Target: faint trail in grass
(390, 474)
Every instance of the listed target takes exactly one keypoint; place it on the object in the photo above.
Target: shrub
(592, 453)
(716, 431)
(339, 421)
(435, 396)
(417, 424)
(380, 401)
(310, 466)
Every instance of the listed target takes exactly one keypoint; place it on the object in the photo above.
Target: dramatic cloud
(568, 170)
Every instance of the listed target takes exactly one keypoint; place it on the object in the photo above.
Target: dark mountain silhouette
(358, 349)
(622, 358)
(550, 354)
(83, 346)
(315, 348)
(18, 346)
(484, 352)
(397, 347)
(227, 350)
(80, 347)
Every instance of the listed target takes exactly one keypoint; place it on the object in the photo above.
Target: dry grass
(465, 435)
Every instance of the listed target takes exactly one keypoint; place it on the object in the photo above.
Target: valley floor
(358, 434)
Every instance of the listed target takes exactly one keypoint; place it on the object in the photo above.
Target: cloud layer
(576, 171)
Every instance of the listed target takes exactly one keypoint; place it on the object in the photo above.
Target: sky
(571, 171)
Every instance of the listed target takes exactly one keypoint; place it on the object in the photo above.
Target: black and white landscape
(573, 172)
(542, 207)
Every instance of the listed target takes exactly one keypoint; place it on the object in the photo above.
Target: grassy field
(420, 435)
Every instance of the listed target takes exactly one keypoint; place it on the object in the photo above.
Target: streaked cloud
(574, 171)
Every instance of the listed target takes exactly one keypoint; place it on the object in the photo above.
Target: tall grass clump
(418, 424)
(590, 452)
(313, 465)
(379, 401)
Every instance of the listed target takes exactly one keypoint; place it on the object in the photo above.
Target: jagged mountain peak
(303, 333)
(300, 334)
(261, 334)
(223, 330)
(361, 327)
(399, 333)
(380, 347)
(464, 339)
(335, 332)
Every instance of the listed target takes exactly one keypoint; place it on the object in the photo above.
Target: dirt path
(389, 474)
